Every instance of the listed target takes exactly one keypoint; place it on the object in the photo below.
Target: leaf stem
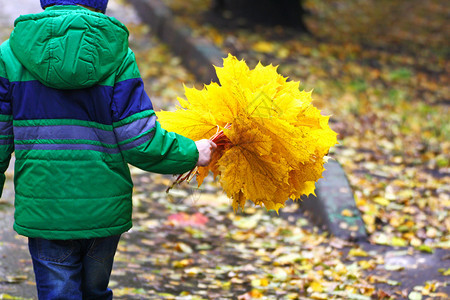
(220, 139)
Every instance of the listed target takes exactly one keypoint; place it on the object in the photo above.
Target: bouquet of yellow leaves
(272, 142)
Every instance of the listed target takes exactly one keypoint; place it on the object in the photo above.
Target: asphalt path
(16, 273)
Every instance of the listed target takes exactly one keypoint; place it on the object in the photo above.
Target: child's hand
(205, 150)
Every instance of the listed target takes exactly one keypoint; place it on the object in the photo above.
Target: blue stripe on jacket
(4, 88)
(66, 147)
(69, 132)
(141, 140)
(99, 104)
(6, 141)
(135, 128)
(6, 127)
(130, 98)
(57, 134)
(5, 106)
(38, 101)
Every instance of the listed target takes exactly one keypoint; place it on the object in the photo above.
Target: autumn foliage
(272, 142)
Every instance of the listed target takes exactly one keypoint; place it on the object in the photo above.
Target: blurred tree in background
(268, 12)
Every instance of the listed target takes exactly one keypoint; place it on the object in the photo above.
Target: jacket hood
(69, 47)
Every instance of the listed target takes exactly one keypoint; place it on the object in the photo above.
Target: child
(74, 110)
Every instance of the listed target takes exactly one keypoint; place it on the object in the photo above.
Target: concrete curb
(197, 53)
(334, 208)
(334, 194)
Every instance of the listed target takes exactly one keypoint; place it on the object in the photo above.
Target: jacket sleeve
(6, 126)
(142, 141)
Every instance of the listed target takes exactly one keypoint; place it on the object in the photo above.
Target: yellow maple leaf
(194, 124)
(263, 46)
(272, 142)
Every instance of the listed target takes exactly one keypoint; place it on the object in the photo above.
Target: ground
(389, 107)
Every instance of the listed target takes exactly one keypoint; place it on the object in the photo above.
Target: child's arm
(6, 128)
(142, 141)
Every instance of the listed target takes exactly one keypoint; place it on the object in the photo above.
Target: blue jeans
(73, 269)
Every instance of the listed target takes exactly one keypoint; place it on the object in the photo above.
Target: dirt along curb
(334, 208)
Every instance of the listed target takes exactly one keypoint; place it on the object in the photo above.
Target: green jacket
(74, 110)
